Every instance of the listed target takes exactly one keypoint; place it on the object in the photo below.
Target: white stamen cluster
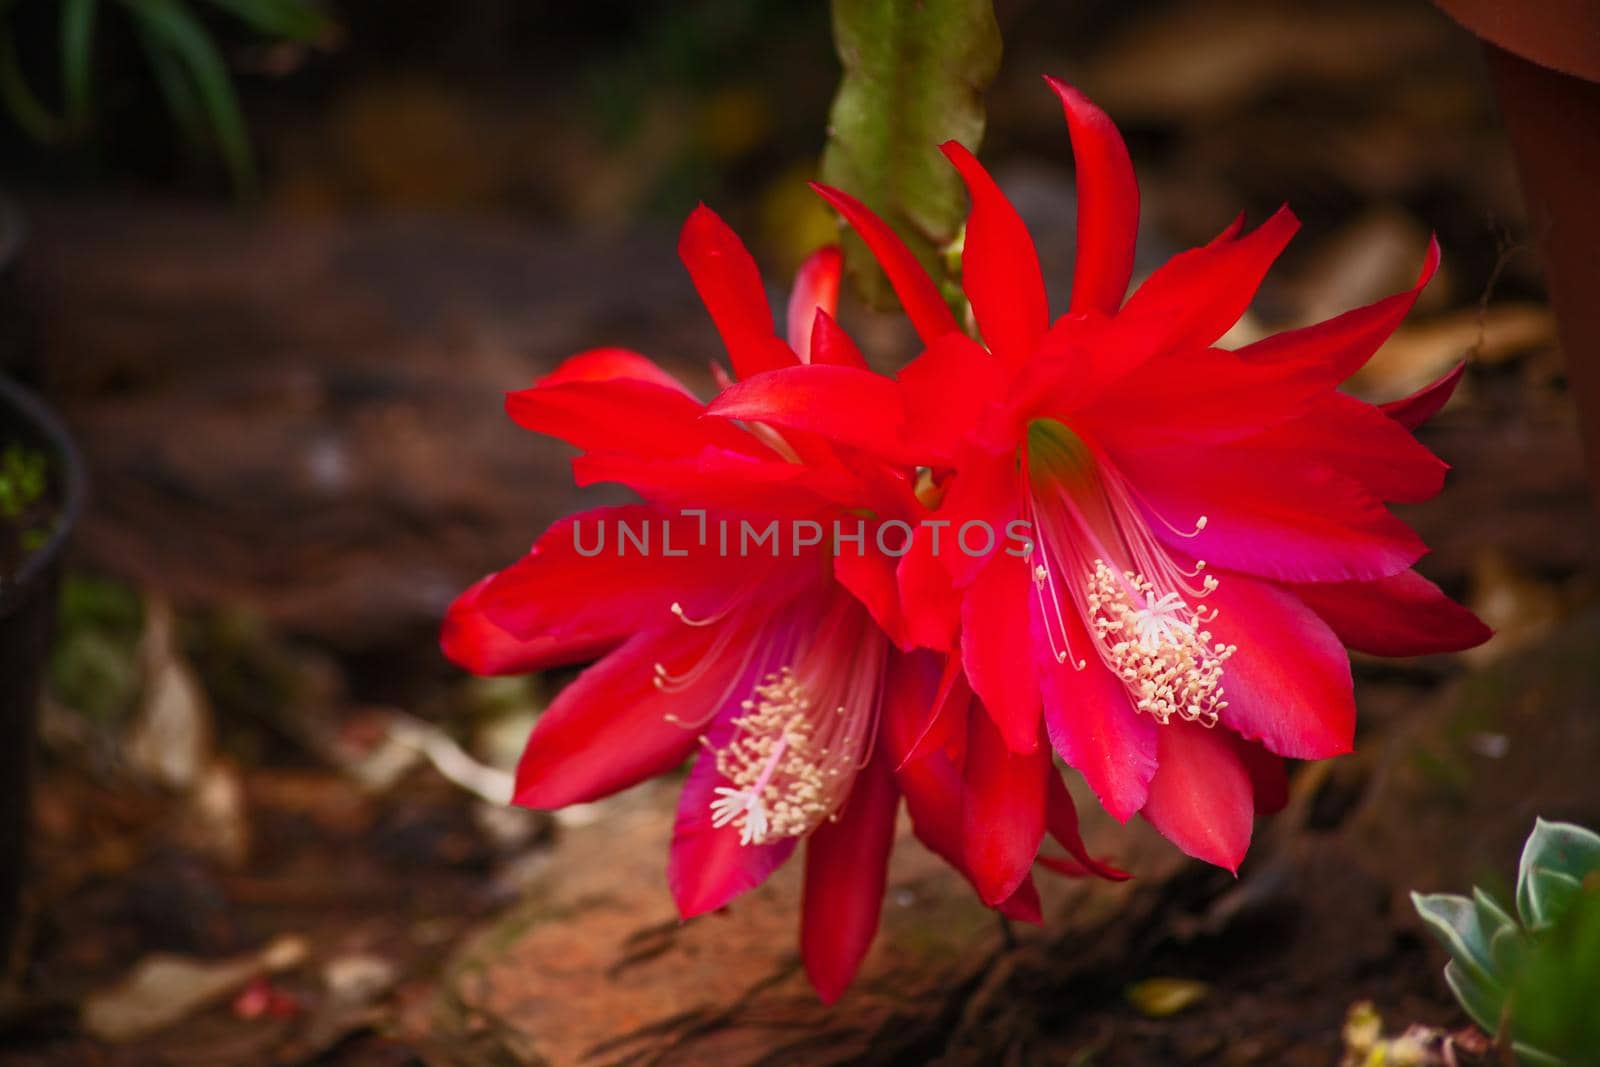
(1156, 644)
(784, 781)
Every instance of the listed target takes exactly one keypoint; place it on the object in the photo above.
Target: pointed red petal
(471, 641)
(831, 345)
(1003, 809)
(1062, 818)
(628, 415)
(602, 364)
(1402, 615)
(1091, 721)
(847, 866)
(843, 404)
(816, 288)
(1344, 343)
(729, 283)
(1414, 410)
(1357, 440)
(946, 717)
(994, 627)
(608, 729)
(1108, 204)
(930, 316)
(1288, 685)
(999, 266)
(1198, 295)
(1023, 906)
(1201, 799)
(870, 578)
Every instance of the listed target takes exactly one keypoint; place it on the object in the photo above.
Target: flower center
(1141, 610)
(790, 753)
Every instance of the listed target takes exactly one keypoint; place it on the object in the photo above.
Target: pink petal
(999, 266)
(608, 729)
(708, 866)
(1198, 295)
(1201, 799)
(1091, 721)
(1003, 810)
(1108, 205)
(847, 866)
(1402, 615)
(471, 641)
(930, 316)
(994, 628)
(816, 288)
(1424, 404)
(1288, 685)
(730, 286)
(1270, 514)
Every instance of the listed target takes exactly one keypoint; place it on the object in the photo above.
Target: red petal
(602, 364)
(947, 718)
(708, 866)
(1201, 799)
(624, 415)
(1355, 438)
(843, 404)
(930, 316)
(1023, 906)
(730, 286)
(999, 266)
(847, 865)
(1344, 343)
(1092, 722)
(1271, 514)
(947, 391)
(609, 730)
(1062, 818)
(994, 627)
(559, 592)
(1198, 295)
(1108, 204)
(1003, 804)
(1288, 685)
(816, 289)
(1402, 615)
(471, 641)
(932, 606)
(870, 577)
(831, 345)
(1424, 404)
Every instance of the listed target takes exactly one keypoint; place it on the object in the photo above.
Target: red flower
(1205, 528)
(781, 665)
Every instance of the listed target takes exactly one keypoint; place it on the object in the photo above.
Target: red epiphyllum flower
(1206, 528)
(779, 662)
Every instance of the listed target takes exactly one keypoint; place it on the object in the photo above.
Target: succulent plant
(1531, 979)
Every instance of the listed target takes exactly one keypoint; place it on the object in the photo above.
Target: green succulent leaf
(1555, 860)
(1455, 923)
(1481, 1000)
(914, 76)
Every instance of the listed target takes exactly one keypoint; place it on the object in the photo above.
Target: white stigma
(1157, 645)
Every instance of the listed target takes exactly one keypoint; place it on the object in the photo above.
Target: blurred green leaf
(77, 55)
(914, 76)
(1557, 992)
(176, 28)
(289, 19)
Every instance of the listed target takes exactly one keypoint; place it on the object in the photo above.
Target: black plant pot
(27, 610)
